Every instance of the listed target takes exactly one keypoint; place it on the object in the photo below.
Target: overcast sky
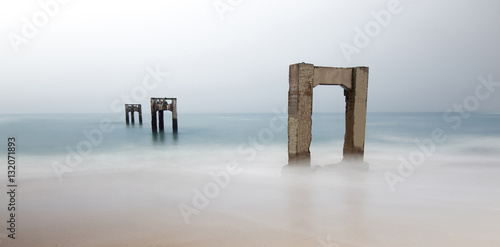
(84, 55)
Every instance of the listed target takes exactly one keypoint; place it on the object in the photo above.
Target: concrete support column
(299, 112)
(154, 125)
(160, 120)
(174, 115)
(140, 114)
(354, 140)
(132, 113)
(126, 115)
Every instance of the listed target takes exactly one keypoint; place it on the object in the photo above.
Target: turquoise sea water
(52, 145)
(389, 132)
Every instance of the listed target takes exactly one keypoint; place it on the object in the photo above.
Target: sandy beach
(445, 203)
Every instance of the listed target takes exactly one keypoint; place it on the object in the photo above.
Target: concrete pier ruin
(303, 78)
(158, 105)
(132, 108)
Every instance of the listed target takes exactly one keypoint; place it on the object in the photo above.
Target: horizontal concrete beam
(162, 104)
(333, 76)
(161, 107)
(163, 99)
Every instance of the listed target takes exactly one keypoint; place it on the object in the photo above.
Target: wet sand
(446, 202)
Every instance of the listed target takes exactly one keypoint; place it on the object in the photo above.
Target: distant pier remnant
(303, 78)
(132, 108)
(159, 105)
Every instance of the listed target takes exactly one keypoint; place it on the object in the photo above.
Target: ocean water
(50, 134)
(95, 181)
(388, 133)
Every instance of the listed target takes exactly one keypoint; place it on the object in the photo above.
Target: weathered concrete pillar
(174, 115)
(299, 112)
(132, 108)
(355, 115)
(140, 114)
(159, 105)
(126, 115)
(303, 78)
(132, 113)
(153, 116)
(160, 121)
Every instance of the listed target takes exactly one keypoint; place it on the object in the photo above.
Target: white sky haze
(426, 56)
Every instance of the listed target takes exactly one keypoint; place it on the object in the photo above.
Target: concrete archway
(302, 79)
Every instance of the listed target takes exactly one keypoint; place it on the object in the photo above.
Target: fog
(168, 200)
(88, 56)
